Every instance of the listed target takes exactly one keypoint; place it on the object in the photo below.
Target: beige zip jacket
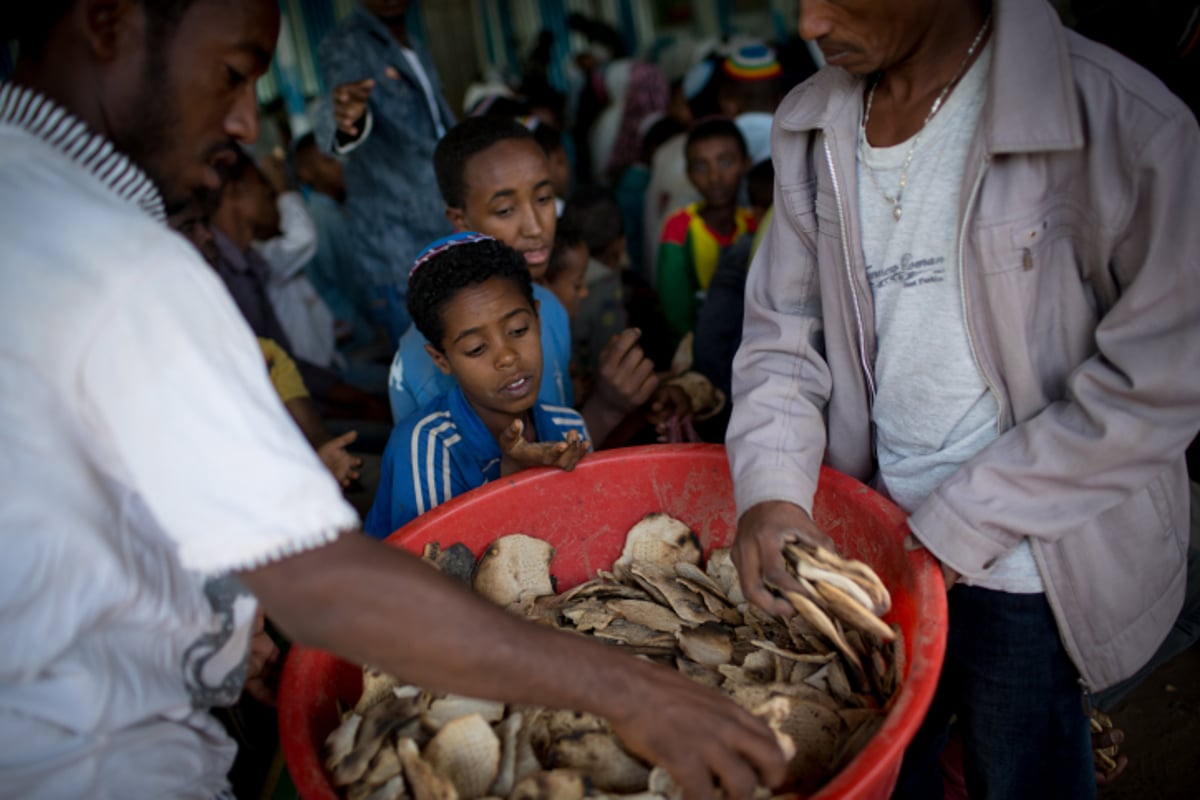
(1079, 245)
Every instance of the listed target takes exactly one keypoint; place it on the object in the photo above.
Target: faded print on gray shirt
(933, 409)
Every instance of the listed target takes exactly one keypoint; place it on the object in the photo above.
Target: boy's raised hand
(517, 453)
(626, 379)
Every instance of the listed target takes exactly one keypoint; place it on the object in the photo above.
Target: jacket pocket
(1027, 243)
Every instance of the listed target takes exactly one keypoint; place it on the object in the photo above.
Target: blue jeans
(1017, 700)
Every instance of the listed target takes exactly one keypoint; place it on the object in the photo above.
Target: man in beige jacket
(980, 294)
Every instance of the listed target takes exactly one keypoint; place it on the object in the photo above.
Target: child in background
(719, 322)
(550, 139)
(617, 297)
(567, 267)
(693, 237)
(495, 179)
(565, 277)
(471, 297)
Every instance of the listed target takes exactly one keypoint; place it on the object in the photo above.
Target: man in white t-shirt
(979, 294)
(155, 490)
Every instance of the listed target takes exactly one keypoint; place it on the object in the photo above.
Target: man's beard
(147, 130)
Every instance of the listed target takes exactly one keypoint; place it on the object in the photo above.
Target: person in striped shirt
(471, 297)
(693, 237)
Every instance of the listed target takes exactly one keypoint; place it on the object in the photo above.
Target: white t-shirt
(933, 409)
(145, 458)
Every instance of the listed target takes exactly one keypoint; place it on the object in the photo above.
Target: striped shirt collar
(40, 116)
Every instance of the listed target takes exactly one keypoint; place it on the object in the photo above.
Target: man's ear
(111, 25)
(458, 218)
(438, 357)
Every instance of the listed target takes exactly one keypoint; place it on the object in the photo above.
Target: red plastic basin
(586, 514)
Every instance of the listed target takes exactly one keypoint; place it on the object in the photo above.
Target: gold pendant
(896, 212)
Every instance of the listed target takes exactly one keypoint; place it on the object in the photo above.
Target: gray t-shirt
(933, 409)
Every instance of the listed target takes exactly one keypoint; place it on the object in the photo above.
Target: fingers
(694, 779)
(355, 90)
(346, 439)
(756, 577)
(620, 345)
(510, 437)
(1106, 777)
(350, 104)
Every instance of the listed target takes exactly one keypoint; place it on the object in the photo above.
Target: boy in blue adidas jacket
(471, 297)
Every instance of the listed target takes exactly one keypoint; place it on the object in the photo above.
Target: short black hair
(466, 139)
(566, 236)
(716, 128)
(594, 212)
(435, 282)
(30, 24)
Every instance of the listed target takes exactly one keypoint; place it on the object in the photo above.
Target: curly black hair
(434, 283)
(468, 138)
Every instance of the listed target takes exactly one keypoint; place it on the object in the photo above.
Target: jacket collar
(1031, 95)
(41, 117)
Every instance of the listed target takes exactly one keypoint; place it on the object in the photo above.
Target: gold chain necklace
(894, 202)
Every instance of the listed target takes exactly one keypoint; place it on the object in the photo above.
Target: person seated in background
(749, 93)
(719, 322)
(192, 223)
(332, 269)
(694, 236)
(241, 209)
(495, 179)
(472, 299)
(287, 246)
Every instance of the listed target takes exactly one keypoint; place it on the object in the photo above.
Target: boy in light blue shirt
(471, 298)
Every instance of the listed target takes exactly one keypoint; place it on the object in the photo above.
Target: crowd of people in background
(537, 274)
(630, 197)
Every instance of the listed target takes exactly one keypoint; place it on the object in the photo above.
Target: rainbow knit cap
(752, 62)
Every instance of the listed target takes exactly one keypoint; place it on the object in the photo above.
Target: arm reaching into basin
(359, 599)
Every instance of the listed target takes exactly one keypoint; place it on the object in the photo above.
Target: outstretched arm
(373, 604)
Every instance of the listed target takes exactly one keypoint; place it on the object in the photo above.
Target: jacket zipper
(862, 336)
(966, 303)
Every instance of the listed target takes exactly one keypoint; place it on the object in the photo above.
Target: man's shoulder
(67, 234)
(1097, 70)
(807, 106)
